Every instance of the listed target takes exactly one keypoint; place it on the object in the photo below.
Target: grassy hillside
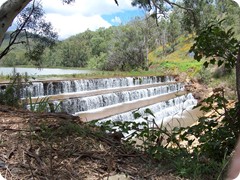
(176, 61)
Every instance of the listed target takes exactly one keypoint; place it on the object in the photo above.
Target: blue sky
(122, 17)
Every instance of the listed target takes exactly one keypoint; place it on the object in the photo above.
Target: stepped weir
(113, 98)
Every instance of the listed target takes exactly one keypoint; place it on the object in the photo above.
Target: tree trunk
(147, 51)
(8, 11)
(238, 75)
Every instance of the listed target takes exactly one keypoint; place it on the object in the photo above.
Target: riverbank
(87, 74)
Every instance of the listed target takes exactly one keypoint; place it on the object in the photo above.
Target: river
(44, 71)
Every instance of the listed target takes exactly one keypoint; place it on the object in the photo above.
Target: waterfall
(124, 94)
(99, 98)
(46, 88)
(160, 110)
(74, 105)
(35, 89)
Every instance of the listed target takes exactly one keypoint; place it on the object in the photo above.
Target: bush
(11, 95)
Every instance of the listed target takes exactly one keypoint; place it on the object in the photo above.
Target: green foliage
(218, 133)
(42, 104)
(201, 13)
(39, 105)
(174, 29)
(217, 45)
(204, 76)
(81, 50)
(98, 62)
(201, 151)
(127, 50)
(11, 95)
(31, 19)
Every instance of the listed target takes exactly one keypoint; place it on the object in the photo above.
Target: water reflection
(46, 71)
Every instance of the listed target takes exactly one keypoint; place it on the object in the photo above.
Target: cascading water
(75, 105)
(160, 110)
(60, 87)
(133, 92)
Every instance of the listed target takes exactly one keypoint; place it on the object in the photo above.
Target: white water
(75, 105)
(98, 102)
(160, 110)
(38, 89)
(62, 87)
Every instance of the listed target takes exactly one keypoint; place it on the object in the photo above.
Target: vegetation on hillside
(178, 61)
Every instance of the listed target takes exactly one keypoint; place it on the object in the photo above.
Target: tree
(202, 10)
(213, 41)
(219, 46)
(73, 54)
(127, 50)
(159, 8)
(31, 27)
(29, 15)
(173, 29)
(148, 33)
(9, 11)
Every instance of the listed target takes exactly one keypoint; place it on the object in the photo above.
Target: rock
(197, 95)
(117, 177)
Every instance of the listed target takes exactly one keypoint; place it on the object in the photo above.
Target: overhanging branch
(15, 34)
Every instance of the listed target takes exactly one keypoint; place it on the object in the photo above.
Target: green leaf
(213, 61)
(136, 115)
(205, 64)
(148, 111)
(220, 62)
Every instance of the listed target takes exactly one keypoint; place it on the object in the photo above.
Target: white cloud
(87, 7)
(80, 15)
(238, 1)
(116, 19)
(73, 24)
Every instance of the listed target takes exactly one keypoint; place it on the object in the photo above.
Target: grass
(176, 61)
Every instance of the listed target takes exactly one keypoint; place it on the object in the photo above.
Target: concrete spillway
(47, 88)
(113, 98)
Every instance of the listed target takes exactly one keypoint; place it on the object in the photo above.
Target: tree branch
(238, 74)
(15, 34)
(8, 11)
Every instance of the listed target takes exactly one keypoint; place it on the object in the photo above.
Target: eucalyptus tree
(31, 27)
(9, 11)
(148, 32)
(213, 40)
(127, 49)
(173, 28)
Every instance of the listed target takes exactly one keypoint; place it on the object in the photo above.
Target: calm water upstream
(45, 71)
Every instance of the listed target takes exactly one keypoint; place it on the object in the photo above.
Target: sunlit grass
(177, 61)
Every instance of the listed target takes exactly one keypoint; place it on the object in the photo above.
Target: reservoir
(38, 72)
